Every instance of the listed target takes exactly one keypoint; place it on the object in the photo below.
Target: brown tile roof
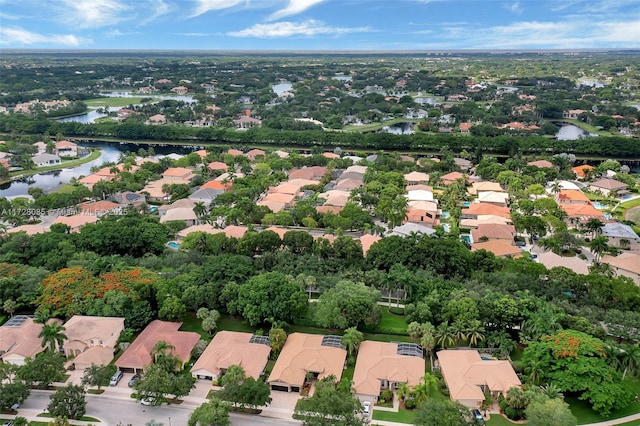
(367, 241)
(494, 231)
(541, 163)
(180, 172)
(138, 354)
(311, 173)
(465, 371)
(232, 348)
(29, 229)
(581, 210)
(380, 361)
(486, 209)
(21, 341)
(627, 261)
(85, 328)
(451, 177)
(572, 195)
(579, 170)
(610, 184)
(500, 248)
(98, 207)
(217, 165)
(303, 353)
(76, 221)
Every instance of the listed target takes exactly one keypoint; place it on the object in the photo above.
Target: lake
(403, 128)
(426, 101)
(109, 152)
(280, 88)
(89, 117)
(570, 132)
(184, 98)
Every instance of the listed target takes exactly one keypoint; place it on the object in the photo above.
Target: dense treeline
(502, 144)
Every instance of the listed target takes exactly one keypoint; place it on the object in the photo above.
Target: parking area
(282, 404)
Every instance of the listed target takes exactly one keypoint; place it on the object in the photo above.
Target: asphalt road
(114, 411)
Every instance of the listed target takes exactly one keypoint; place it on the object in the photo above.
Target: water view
(570, 132)
(403, 128)
(89, 117)
(109, 152)
(280, 88)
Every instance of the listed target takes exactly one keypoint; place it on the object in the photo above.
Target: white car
(148, 401)
(366, 408)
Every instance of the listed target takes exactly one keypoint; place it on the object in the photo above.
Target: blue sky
(319, 24)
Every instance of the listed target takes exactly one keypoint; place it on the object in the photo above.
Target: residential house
(544, 164)
(580, 213)
(309, 173)
(620, 235)
(292, 186)
(499, 247)
(154, 190)
(45, 160)
(551, 260)
(66, 149)
(76, 221)
(234, 152)
(229, 348)
(468, 376)
(481, 219)
(348, 184)
(92, 179)
(573, 114)
(583, 172)
(477, 209)
(416, 178)
(29, 229)
(477, 187)
(99, 208)
(157, 119)
(19, 339)
(180, 214)
(255, 153)
(493, 231)
(608, 186)
(367, 240)
(217, 165)
(276, 201)
(626, 264)
(419, 187)
(205, 195)
(465, 127)
(138, 355)
(571, 196)
(450, 178)
(92, 340)
(330, 155)
(335, 197)
(463, 163)
(178, 175)
(246, 122)
(422, 212)
(303, 354)
(180, 90)
(41, 147)
(495, 198)
(383, 365)
(128, 198)
(410, 228)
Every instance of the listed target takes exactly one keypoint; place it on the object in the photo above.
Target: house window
(91, 342)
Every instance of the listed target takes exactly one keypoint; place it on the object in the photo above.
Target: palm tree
(403, 391)
(422, 391)
(459, 330)
(352, 339)
(555, 187)
(52, 335)
(517, 398)
(200, 209)
(414, 329)
(444, 335)
(629, 359)
(161, 354)
(598, 246)
(475, 332)
(534, 370)
(551, 391)
(594, 226)
(612, 353)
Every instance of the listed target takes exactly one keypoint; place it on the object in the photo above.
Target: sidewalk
(32, 416)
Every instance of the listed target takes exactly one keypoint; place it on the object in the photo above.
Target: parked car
(115, 378)
(8, 423)
(148, 401)
(521, 244)
(133, 380)
(477, 415)
(15, 406)
(366, 408)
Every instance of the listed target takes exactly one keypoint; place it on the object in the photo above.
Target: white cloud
(95, 13)
(17, 36)
(309, 27)
(514, 7)
(158, 8)
(293, 8)
(204, 6)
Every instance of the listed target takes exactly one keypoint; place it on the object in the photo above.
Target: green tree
(9, 306)
(68, 402)
(97, 375)
(52, 335)
(550, 412)
(576, 362)
(441, 412)
(243, 391)
(209, 319)
(352, 339)
(277, 339)
(12, 392)
(330, 405)
(348, 304)
(211, 413)
(598, 246)
(41, 371)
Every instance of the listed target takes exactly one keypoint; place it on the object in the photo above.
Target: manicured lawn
(391, 321)
(402, 416)
(631, 423)
(585, 414)
(348, 372)
(226, 322)
(498, 420)
(115, 102)
(386, 338)
(191, 323)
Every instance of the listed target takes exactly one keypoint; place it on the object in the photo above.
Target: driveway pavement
(282, 405)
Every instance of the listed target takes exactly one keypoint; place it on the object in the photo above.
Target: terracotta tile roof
(232, 348)
(579, 170)
(500, 248)
(572, 195)
(451, 177)
(98, 207)
(476, 209)
(76, 221)
(551, 260)
(138, 354)
(235, 152)
(581, 210)
(627, 261)
(21, 341)
(279, 231)
(541, 163)
(217, 165)
(217, 184)
(329, 209)
(367, 241)
(417, 177)
(379, 361)
(304, 353)
(610, 184)
(484, 186)
(330, 155)
(29, 229)
(177, 172)
(494, 231)
(464, 371)
(311, 173)
(419, 187)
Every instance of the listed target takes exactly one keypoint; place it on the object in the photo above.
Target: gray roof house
(44, 160)
(620, 235)
(205, 195)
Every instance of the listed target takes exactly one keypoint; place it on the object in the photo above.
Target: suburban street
(117, 410)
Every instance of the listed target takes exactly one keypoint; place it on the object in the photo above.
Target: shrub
(386, 396)
(503, 405)
(511, 413)
(410, 404)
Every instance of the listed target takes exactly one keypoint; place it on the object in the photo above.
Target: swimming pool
(607, 216)
(445, 215)
(466, 204)
(465, 238)
(446, 227)
(599, 206)
(173, 245)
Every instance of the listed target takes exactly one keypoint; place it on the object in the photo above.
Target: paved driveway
(282, 405)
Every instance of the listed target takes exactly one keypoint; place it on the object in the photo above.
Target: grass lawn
(631, 423)
(391, 321)
(63, 165)
(115, 102)
(582, 410)
(191, 323)
(226, 322)
(348, 372)
(402, 416)
(498, 420)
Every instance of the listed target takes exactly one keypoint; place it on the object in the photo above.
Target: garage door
(295, 389)
(279, 388)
